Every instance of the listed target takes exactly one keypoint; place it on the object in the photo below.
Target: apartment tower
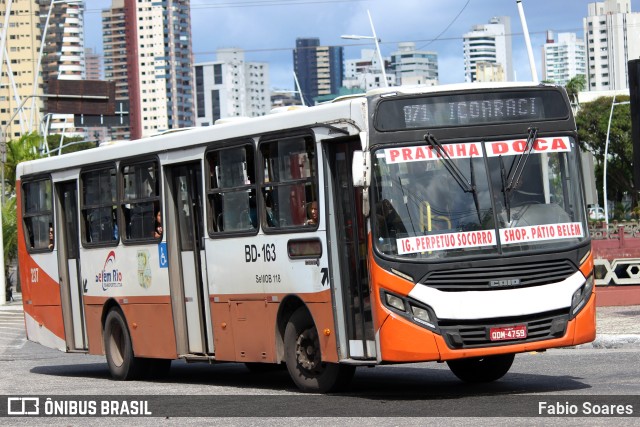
(63, 53)
(564, 58)
(20, 33)
(319, 69)
(488, 43)
(231, 87)
(147, 52)
(612, 35)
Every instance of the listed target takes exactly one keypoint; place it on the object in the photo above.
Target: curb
(613, 341)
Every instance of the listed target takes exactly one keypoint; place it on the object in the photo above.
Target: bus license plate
(508, 333)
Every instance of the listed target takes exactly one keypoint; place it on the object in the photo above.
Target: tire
(481, 369)
(303, 358)
(123, 365)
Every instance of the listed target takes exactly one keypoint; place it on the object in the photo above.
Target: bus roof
(418, 89)
(324, 114)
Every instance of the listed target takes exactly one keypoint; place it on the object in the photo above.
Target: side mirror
(360, 172)
(360, 169)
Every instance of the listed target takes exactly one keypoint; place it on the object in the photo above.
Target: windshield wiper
(511, 181)
(466, 185)
(474, 190)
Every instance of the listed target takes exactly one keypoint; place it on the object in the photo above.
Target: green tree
(574, 86)
(592, 121)
(75, 144)
(9, 231)
(27, 147)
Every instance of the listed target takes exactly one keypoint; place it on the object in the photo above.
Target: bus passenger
(50, 237)
(312, 214)
(157, 230)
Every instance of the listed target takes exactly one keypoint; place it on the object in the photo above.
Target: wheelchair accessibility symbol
(162, 255)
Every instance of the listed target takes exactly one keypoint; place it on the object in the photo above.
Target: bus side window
(141, 200)
(98, 206)
(231, 195)
(271, 211)
(290, 181)
(38, 214)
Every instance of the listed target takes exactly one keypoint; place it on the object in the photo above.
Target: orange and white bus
(405, 225)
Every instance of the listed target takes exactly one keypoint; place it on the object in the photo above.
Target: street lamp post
(376, 40)
(606, 154)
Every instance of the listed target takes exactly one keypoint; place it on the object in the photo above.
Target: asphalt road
(411, 394)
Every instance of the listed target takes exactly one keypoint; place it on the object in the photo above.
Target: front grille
(461, 334)
(479, 278)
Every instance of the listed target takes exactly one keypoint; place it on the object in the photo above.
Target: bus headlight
(581, 296)
(410, 309)
(395, 302)
(421, 315)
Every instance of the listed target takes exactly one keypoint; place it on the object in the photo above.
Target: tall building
(63, 53)
(563, 59)
(489, 72)
(365, 72)
(414, 67)
(319, 69)
(18, 65)
(488, 43)
(93, 64)
(114, 47)
(231, 87)
(155, 62)
(612, 34)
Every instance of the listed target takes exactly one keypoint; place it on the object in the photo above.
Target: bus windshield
(422, 210)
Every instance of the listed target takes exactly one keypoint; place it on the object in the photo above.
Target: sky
(267, 29)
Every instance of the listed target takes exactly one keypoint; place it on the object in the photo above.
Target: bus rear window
(479, 108)
(38, 215)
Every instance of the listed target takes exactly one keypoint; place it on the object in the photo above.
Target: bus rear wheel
(481, 369)
(123, 365)
(304, 361)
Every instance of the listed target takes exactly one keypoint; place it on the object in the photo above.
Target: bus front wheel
(481, 369)
(304, 361)
(123, 365)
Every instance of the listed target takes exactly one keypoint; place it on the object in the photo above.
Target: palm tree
(27, 147)
(9, 231)
(575, 85)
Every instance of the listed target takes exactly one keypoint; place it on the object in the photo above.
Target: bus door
(186, 234)
(349, 264)
(71, 287)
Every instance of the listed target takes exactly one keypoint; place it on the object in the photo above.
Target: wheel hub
(308, 350)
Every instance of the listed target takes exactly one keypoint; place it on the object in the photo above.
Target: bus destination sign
(474, 109)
